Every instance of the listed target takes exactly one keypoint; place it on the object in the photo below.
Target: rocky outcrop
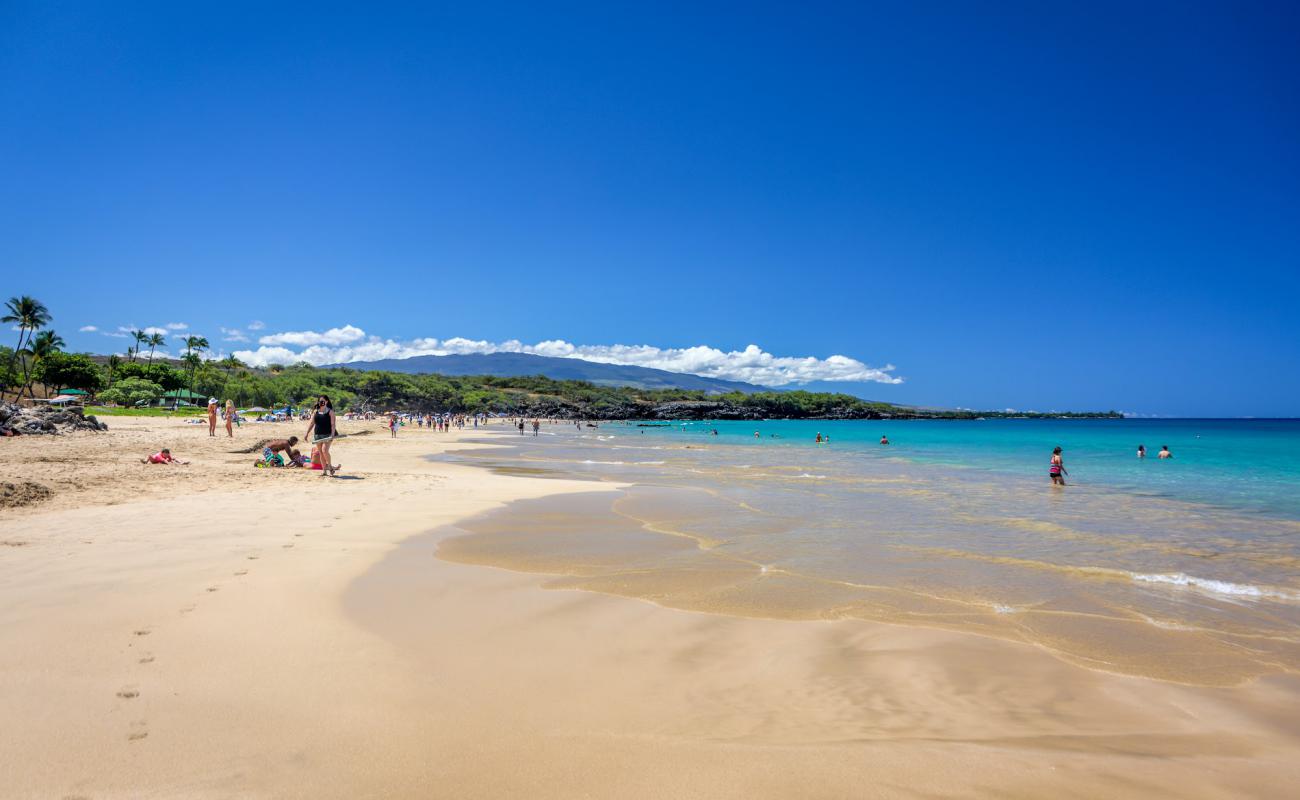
(16, 420)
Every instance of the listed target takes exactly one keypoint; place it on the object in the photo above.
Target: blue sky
(1094, 206)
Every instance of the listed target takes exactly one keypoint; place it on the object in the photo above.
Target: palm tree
(193, 346)
(141, 338)
(154, 340)
(29, 314)
(39, 347)
(47, 342)
(114, 361)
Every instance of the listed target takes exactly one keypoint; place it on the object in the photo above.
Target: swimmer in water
(1142, 451)
(1164, 452)
(819, 437)
(884, 440)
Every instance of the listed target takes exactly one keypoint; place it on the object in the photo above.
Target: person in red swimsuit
(163, 456)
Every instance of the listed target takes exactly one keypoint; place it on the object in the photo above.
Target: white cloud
(256, 325)
(233, 335)
(333, 336)
(114, 334)
(753, 365)
(152, 329)
(87, 329)
(176, 326)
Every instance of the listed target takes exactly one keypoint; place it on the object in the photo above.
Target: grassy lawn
(107, 411)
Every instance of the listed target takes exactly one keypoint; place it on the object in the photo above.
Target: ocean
(1186, 569)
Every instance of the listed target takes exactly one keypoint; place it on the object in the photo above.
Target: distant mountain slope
(574, 369)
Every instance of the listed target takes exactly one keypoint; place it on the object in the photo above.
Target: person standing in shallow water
(1056, 471)
(1142, 451)
(324, 425)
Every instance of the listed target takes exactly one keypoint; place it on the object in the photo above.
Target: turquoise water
(1185, 569)
(1250, 465)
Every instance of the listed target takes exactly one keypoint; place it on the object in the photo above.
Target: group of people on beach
(322, 430)
(229, 413)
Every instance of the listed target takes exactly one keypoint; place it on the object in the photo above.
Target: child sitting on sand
(163, 456)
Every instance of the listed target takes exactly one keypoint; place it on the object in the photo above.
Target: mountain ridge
(512, 365)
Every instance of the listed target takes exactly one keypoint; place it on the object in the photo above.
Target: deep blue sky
(1093, 206)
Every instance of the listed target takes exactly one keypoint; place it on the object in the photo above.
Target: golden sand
(220, 631)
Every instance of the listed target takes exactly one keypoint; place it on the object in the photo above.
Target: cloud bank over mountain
(753, 364)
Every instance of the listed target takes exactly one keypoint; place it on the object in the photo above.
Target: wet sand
(223, 632)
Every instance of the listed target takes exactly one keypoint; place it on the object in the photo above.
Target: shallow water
(1186, 570)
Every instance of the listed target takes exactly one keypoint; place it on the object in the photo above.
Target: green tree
(40, 347)
(141, 338)
(154, 340)
(114, 361)
(132, 392)
(69, 371)
(194, 345)
(30, 315)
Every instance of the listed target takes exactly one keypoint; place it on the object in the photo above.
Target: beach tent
(64, 399)
(73, 391)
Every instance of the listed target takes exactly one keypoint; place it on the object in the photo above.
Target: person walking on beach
(325, 427)
(392, 425)
(1164, 452)
(537, 424)
(212, 416)
(1056, 471)
(230, 418)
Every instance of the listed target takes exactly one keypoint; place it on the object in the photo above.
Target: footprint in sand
(147, 659)
(286, 546)
(241, 572)
(142, 632)
(139, 730)
(127, 693)
(213, 588)
(252, 558)
(188, 609)
(297, 534)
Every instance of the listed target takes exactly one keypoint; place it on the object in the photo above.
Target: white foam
(602, 462)
(806, 475)
(1212, 586)
(1001, 609)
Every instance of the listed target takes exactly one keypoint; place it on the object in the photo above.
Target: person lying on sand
(163, 456)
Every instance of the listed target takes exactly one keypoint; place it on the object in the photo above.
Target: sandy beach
(216, 630)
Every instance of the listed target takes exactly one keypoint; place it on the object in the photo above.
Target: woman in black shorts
(325, 428)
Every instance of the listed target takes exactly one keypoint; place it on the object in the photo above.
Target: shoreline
(231, 632)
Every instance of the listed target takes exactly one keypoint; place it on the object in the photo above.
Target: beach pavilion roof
(181, 394)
